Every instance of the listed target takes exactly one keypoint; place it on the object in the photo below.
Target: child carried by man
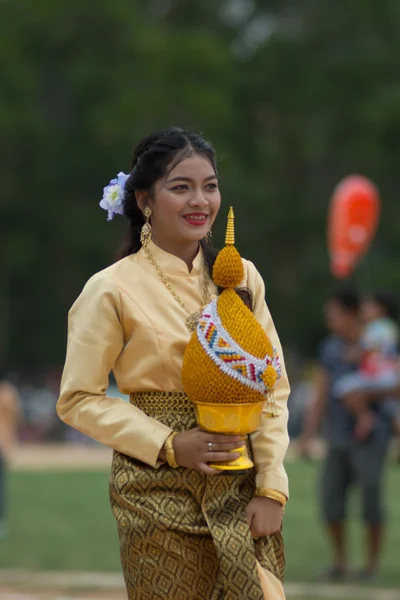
(379, 368)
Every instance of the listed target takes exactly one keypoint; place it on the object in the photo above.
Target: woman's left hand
(264, 516)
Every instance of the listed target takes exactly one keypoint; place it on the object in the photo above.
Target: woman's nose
(198, 199)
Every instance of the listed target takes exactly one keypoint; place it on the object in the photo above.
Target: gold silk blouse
(126, 321)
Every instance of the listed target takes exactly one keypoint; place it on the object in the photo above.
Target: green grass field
(63, 521)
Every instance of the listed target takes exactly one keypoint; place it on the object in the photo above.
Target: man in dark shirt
(347, 460)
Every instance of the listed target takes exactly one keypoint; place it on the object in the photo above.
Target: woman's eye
(180, 188)
(212, 186)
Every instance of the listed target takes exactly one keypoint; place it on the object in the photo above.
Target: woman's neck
(186, 251)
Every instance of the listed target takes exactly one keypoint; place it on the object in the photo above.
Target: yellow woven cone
(226, 368)
(203, 379)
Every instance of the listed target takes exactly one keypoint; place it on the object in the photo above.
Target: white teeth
(195, 218)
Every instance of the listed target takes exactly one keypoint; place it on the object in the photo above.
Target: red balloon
(352, 222)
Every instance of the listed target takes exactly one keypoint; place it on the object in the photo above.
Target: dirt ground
(23, 585)
(60, 456)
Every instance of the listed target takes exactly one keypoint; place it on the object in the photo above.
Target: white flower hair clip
(113, 196)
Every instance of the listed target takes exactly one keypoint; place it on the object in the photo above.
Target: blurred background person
(380, 312)
(348, 460)
(9, 419)
(367, 390)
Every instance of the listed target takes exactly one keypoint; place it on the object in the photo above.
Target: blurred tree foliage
(294, 95)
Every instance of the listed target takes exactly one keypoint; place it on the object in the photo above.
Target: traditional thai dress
(183, 535)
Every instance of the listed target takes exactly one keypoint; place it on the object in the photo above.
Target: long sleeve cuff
(274, 481)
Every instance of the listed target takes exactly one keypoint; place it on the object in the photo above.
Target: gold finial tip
(230, 231)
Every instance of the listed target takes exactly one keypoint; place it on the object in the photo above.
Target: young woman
(185, 532)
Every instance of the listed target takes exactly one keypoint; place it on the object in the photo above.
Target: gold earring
(145, 234)
(208, 236)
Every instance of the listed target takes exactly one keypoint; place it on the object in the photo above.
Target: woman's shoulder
(112, 280)
(116, 275)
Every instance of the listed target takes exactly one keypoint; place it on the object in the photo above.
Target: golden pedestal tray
(230, 419)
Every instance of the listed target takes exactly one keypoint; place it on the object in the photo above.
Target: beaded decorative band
(153, 401)
(229, 356)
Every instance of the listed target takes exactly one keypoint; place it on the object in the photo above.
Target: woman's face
(185, 202)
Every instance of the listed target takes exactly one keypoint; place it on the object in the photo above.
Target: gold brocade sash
(152, 403)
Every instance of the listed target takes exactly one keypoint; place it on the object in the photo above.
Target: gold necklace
(193, 318)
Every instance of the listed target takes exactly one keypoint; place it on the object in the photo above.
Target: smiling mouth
(195, 219)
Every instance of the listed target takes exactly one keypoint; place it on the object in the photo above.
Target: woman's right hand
(192, 449)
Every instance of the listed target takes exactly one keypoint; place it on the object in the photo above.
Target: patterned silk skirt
(183, 535)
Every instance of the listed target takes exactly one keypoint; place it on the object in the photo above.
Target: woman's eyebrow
(181, 178)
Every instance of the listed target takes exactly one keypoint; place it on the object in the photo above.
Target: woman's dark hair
(153, 156)
(387, 303)
(347, 299)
